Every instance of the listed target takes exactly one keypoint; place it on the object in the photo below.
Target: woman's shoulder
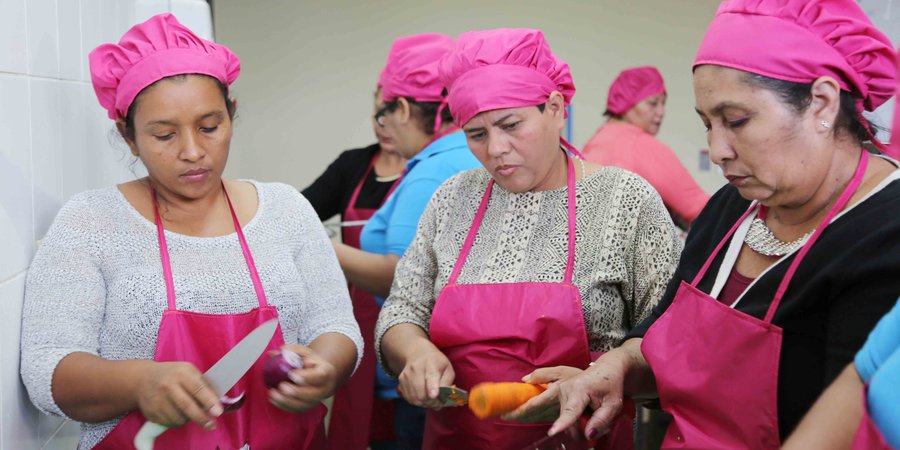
(358, 156)
(283, 202)
(89, 212)
(609, 179)
(94, 203)
(877, 212)
(267, 190)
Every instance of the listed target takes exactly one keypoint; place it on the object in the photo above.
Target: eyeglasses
(379, 115)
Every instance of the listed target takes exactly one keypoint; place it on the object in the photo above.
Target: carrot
(495, 399)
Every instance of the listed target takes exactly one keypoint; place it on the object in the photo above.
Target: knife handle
(144, 438)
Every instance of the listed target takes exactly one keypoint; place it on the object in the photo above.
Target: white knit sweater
(96, 284)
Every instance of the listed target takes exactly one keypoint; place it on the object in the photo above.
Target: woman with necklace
(789, 266)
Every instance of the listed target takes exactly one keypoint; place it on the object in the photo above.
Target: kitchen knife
(222, 376)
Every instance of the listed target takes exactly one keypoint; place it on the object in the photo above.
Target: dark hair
(609, 114)
(129, 118)
(425, 112)
(799, 96)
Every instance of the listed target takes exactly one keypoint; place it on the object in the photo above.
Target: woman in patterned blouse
(562, 257)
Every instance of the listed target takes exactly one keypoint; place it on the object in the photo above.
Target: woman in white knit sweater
(130, 272)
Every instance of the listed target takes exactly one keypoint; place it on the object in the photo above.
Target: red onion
(278, 365)
(232, 404)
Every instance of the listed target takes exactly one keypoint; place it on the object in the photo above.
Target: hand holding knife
(222, 375)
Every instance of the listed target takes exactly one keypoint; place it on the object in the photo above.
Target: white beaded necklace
(761, 240)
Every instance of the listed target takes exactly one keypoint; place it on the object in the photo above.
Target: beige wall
(309, 67)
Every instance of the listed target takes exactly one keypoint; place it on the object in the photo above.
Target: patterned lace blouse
(626, 249)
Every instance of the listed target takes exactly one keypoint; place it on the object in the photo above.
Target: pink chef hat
(150, 51)
(411, 68)
(504, 68)
(801, 40)
(631, 86)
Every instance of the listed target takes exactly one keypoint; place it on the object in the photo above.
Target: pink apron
(868, 436)
(351, 411)
(350, 234)
(202, 339)
(501, 332)
(716, 368)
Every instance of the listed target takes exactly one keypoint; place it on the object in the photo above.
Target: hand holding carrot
(544, 406)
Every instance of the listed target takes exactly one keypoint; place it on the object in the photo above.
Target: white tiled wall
(54, 142)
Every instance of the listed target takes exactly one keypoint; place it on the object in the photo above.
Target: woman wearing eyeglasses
(423, 132)
(355, 185)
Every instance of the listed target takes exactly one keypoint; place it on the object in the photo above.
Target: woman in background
(139, 288)
(635, 106)
(355, 185)
(423, 131)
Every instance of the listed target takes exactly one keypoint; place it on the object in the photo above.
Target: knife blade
(452, 396)
(222, 376)
(231, 367)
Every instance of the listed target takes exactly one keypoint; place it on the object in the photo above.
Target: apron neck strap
(482, 208)
(359, 185)
(166, 262)
(722, 243)
(848, 192)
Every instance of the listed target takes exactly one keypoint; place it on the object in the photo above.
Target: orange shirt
(627, 146)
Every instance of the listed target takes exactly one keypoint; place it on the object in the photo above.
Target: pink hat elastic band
(150, 51)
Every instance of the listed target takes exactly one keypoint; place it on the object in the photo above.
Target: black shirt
(849, 279)
(331, 192)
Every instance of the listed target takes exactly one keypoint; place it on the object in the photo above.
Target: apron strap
(251, 266)
(355, 195)
(848, 192)
(722, 243)
(163, 253)
(473, 231)
(166, 262)
(482, 208)
(570, 210)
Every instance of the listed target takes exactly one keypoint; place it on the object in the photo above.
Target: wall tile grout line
(54, 433)
(12, 277)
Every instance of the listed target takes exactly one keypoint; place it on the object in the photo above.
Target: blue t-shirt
(393, 227)
(878, 364)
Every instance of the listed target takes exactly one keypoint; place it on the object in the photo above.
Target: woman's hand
(309, 385)
(173, 393)
(601, 387)
(544, 407)
(426, 371)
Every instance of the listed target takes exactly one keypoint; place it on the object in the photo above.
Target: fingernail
(216, 410)
(296, 378)
(433, 393)
(552, 431)
(209, 426)
(526, 378)
(591, 433)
